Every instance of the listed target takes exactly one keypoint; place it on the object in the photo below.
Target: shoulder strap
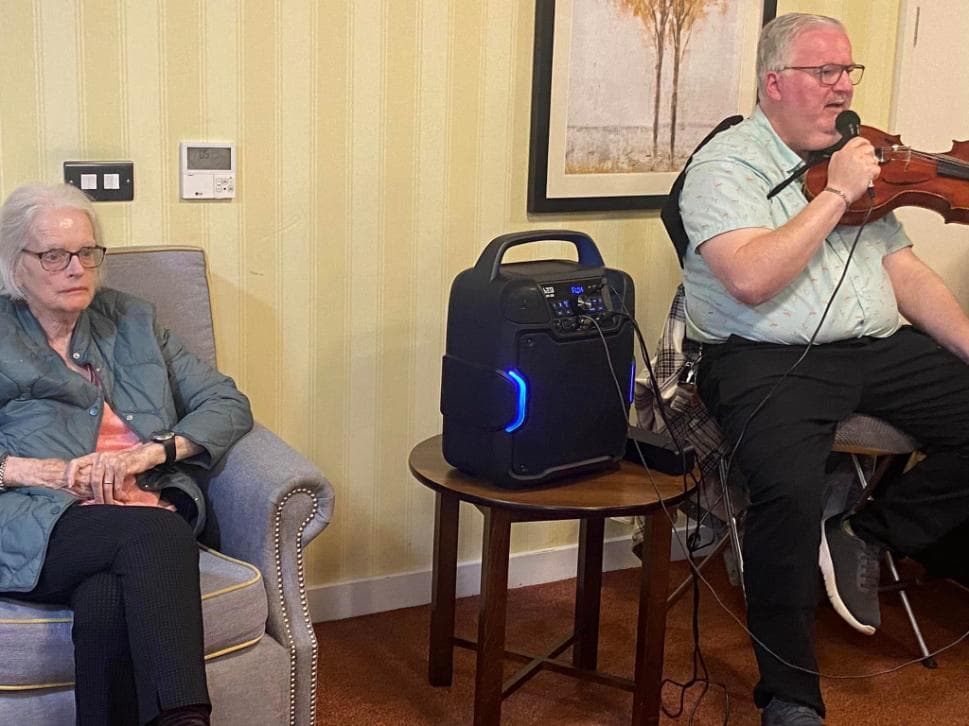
(670, 211)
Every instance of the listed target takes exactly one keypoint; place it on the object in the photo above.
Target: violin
(909, 178)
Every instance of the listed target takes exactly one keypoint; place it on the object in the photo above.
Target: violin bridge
(895, 152)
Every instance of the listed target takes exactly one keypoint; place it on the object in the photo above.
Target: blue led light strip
(632, 379)
(522, 400)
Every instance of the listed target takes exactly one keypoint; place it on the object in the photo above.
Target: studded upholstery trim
(304, 606)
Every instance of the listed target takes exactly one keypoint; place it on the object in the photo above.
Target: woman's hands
(102, 477)
(109, 477)
(51, 473)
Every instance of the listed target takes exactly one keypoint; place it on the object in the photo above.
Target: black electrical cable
(700, 674)
(763, 402)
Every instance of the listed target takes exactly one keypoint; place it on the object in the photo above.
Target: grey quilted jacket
(47, 411)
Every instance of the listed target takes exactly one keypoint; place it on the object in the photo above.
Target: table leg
(651, 627)
(443, 581)
(491, 616)
(588, 586)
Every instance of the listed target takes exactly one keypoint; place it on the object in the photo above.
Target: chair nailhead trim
(304, 606)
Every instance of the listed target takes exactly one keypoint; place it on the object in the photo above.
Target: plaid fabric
(689, 420)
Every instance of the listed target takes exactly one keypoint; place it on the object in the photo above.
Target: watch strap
(167, 440)
(169, 444)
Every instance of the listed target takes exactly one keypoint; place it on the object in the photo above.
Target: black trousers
(131, 576)
(906, 380)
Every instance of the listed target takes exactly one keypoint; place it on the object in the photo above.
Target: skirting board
(379, 594)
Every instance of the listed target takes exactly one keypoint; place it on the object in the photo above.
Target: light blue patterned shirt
(726, 189)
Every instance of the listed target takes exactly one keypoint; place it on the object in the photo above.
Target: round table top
(624, 490)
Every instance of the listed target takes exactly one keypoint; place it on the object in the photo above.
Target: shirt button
(128, 417)
(93, 411)
(76, 356)
(55, 509)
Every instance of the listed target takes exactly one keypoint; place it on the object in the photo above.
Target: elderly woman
(97, 398)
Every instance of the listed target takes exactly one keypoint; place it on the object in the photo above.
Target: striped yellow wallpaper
(381, 144)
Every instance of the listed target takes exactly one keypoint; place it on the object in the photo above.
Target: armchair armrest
(266, 503)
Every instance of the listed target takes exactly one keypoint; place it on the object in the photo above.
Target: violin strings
(915, 153)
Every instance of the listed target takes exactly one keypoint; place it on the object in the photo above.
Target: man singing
(789, 349)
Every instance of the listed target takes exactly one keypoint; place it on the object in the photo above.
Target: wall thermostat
(208, 170)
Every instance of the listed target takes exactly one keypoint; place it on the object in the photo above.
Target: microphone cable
(827, 308)
(700, 675)
(848, 124)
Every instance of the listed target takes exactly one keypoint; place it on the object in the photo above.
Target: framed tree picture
(624, 90)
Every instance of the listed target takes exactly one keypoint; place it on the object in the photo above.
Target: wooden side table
(625, 491)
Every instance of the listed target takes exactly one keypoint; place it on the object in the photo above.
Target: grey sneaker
(785, 713)
(850, 569)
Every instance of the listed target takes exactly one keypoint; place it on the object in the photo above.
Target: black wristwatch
(166, 439)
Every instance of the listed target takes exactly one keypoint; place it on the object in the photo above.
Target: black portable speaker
(538, 367)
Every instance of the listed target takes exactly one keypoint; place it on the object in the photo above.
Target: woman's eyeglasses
(57, 260)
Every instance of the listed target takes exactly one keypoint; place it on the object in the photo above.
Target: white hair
(17, 219)
(773, 48)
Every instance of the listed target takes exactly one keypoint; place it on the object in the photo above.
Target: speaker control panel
(577, 305)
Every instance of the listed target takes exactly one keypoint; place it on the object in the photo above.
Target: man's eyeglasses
(830, 73)
(57, 260)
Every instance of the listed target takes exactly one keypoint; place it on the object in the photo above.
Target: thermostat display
(208, 170)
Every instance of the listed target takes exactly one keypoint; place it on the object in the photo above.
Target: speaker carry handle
(490, 260)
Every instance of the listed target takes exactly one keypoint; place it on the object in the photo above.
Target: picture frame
(605, 135)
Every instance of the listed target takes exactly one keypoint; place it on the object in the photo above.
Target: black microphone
(848, 124)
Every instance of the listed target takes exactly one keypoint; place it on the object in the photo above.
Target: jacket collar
(82, 349)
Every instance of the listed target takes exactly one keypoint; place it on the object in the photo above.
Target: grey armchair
(266, 503)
